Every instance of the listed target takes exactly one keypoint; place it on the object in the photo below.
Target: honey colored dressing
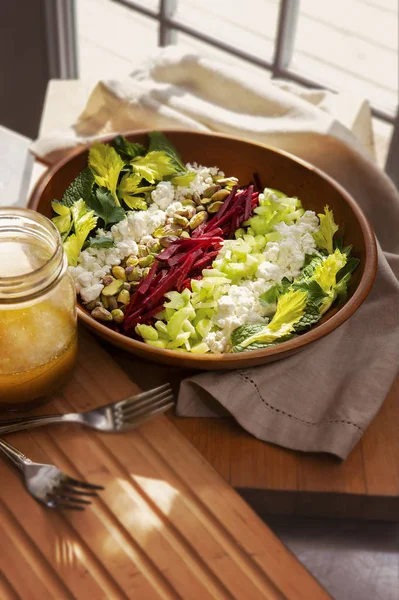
(38, 341)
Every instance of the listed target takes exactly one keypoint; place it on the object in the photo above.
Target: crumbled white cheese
(92, 292)
(240, 306)
(163, 195)
(268, 271)
(172, 208)
(201, 181)
(289, 253)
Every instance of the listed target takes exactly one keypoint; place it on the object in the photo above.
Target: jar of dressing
(38, 328)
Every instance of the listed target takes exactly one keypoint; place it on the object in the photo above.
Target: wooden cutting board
(167, 525)
(280, 481)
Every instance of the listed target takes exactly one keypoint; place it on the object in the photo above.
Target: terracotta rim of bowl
(342, 314)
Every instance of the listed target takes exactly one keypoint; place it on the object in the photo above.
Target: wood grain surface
(280, 481)
(166, 526)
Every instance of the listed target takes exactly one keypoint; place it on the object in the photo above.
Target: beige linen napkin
(323, 398)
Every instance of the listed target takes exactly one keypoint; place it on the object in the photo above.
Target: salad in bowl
(185, 257)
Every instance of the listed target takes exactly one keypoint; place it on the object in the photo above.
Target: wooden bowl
(276, 169)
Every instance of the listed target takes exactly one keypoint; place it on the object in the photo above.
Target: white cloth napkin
(322, 398)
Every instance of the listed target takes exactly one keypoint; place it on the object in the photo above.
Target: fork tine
(68, 507)
(82, 484)
(79, 492)
(129, 422)
(143, 409)
(144, 403)
(59, 497)
(144, 395)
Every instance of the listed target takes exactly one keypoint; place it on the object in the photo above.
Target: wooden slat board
(280, 481)
(166, 526)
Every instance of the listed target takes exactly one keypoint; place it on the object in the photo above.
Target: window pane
(249, 25)
(350, 46)
(112, 39)
(190, 43)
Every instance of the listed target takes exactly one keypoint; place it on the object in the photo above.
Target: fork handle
(22, 423)
(19, 459)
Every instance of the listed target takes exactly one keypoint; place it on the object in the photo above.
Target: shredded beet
(185, 258)
(186, 267)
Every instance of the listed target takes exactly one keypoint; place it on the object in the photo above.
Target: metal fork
(118, 416)
(49, 485)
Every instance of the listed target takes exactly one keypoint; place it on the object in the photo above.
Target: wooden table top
(166, 525)
(281, 481)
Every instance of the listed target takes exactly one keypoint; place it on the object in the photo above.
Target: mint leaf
(245, 331)
(127, 150)
(341, 289)
(349, 267)
(103, 204)
(100, 242)
(311, 317)
(80, 188)
(312, 261)
(159, 141)
(315, 294)
(273, 293)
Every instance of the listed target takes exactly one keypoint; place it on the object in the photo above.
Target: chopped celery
(179, 340)
(176, 300)
(160, 326)
(200, 348)
(147, 332)
(203, 326)
(175, 323)
(156, 343)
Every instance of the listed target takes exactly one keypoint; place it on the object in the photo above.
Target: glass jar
(38, 328)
